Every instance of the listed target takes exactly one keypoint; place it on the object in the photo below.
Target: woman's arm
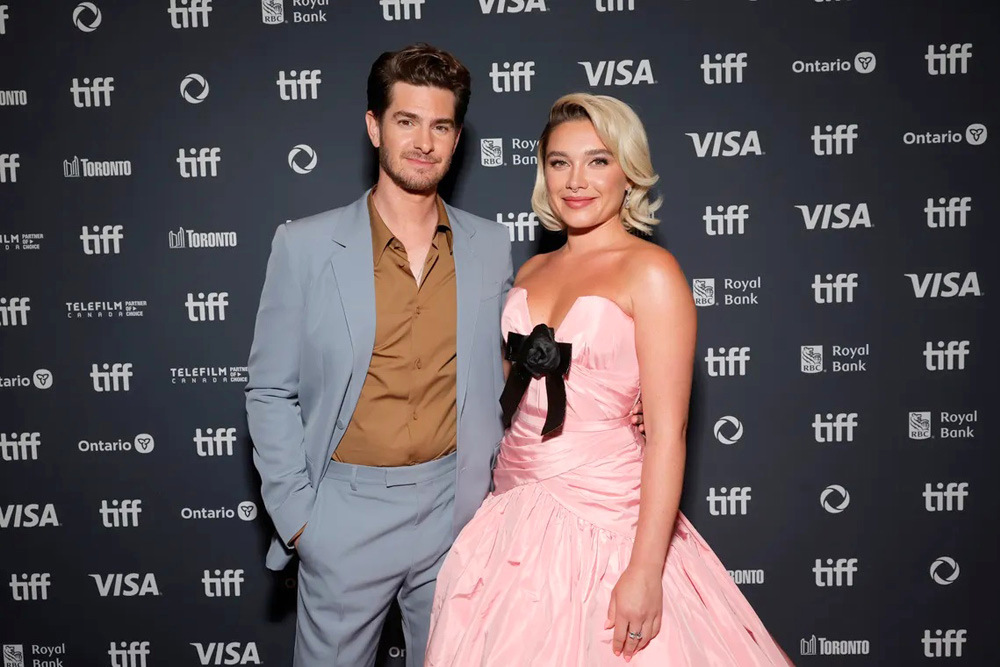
(665, 329)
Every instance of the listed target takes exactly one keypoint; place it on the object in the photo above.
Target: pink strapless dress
(528, 581)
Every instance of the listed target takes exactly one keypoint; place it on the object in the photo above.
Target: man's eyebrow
(412, 116)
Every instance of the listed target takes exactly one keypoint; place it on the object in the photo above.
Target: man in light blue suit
(375, 375)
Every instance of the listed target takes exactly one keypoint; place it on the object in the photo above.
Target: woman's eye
(601, 161)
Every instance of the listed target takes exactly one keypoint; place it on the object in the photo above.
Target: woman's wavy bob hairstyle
(622, 132)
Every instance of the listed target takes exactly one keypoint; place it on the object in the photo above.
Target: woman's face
(585, 183)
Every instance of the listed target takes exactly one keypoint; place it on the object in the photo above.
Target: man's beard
(417, 184)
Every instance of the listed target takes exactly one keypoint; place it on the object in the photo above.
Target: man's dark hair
(419, 65)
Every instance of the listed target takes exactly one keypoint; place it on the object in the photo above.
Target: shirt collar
(382, 236)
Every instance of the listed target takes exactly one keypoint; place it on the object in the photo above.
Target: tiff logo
(96, 94)
(951, 211)
(121, 513)
(727, 362)
(200, 163)
(835, 429)
(30, 586)
(615, 5)
(948, 59)
(210, 308)
(111, 377)
(723, 69)
(3, 19)
(299, 85)
(941, 498)
(217, 443)
(840, 573)
(830, 141)
(14, 311)
(727, 220)
(943, 643)
(516, 226)
(399, 10)
(189, 13)
(129, 654)
(8, 167)
(950, 358)
(20, 447)
(512, 79)
(834, 290)
(224, 583)
(728, 502)
(104, 240)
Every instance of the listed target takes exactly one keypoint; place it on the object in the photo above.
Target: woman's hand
(636, 607)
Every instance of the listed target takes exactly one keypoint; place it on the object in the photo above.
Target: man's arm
(272, 393)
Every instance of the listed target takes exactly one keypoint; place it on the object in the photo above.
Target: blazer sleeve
(273, 412)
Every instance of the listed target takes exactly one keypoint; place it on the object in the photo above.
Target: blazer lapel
(354, 269)
(468, 291)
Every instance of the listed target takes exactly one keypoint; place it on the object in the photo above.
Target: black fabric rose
(534, 356)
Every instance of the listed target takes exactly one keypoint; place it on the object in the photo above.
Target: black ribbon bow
(534, 356)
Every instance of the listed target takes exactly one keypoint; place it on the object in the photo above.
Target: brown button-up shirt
(406, 413)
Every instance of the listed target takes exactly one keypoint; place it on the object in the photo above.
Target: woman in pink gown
(580, 556)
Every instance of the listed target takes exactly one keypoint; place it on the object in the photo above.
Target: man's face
(416, 136)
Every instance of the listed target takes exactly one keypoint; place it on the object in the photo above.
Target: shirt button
(340, 425)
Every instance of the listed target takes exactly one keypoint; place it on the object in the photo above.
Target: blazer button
(340, 425)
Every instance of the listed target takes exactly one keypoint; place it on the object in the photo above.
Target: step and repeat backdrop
(829, 181)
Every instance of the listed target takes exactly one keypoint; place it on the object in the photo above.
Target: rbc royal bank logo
(272, 12)
(812, 358)
(491, 152)
(13, 654)
(920, 425)
(704, 291)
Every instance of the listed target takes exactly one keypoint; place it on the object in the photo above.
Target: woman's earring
(628, 195)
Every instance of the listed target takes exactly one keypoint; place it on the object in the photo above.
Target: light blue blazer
(313, 343)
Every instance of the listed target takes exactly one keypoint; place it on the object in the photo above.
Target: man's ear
(374, 129)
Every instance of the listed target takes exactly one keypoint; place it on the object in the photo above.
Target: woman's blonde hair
(622, 132)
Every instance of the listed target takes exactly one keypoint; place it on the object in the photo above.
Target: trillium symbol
(865, 61)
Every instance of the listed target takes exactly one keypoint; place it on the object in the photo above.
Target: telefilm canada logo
(105, 310)
(203, 375)
(23, 241)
